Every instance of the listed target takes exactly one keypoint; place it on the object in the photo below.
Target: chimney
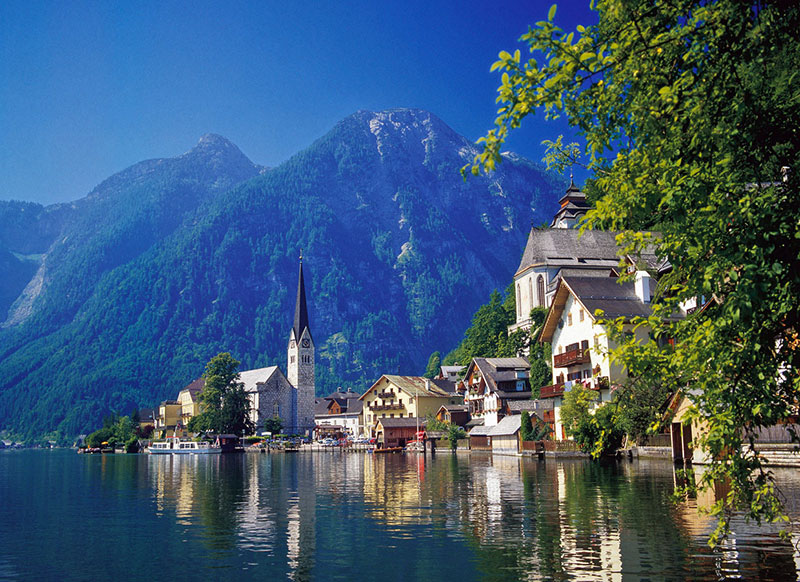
(427, 385)
(642, 286)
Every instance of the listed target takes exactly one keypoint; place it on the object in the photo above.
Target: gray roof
(401, 422)
(496, 370)
(560, 247)
(475, 422)
(480, 430)
(509, 425)
(614, 298)
(250, 378)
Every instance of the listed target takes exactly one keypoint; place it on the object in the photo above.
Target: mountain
(171, 261)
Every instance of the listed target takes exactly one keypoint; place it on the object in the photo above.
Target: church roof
(252, 377)
(300, 309)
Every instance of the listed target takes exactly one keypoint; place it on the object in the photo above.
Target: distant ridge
(129, 291)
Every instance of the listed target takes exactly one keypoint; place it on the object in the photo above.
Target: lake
(355, 516)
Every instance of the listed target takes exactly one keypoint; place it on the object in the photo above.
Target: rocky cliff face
(172, 261)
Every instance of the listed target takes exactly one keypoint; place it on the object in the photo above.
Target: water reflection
(373, 517)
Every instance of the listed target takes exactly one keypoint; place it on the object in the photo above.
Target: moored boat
(177, 446)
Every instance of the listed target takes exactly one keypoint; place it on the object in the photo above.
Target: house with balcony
(405, 397)
(563, 250)
(339, 414)
(580, 343)
(491, 383)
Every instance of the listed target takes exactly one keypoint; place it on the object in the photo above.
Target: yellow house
(189, 399)
(406, 397)
(169, 413)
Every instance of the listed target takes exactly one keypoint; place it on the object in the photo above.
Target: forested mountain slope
(168, 263)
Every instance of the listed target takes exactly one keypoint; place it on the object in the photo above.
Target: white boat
(176, 446)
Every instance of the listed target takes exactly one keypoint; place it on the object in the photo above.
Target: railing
(551, 391)
(561, 446)
(387, 407)
(579, 356)
(385, 395)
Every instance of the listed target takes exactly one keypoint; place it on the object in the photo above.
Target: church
(289, 397)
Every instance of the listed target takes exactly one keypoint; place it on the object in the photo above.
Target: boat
(178, 446)
(388, 450)
(415, 447)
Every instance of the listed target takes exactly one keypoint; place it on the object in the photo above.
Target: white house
(580, 344)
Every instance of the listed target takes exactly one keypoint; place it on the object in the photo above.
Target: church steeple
(300, 309)
(300, 361)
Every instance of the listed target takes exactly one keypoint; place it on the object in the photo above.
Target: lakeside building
(339, 414)
(491, 383)
(562, 250)
(189, 399)
(405, 397)
(580, 343)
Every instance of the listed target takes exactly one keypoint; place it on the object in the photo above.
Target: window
(291, 359)
(519, 302)
(530, 294)
(569, 319)
(540, 290)
(276, 409)
(580, 315)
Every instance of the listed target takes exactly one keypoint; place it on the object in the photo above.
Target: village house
(491, 383)
(580, 343)
(189, 399)
(449, 373)
(405, 397)
(562, 250)
(168, 419)
(397, 432)
(457, 414)
(339, 414)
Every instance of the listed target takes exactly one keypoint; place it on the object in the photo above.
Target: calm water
(334, 516)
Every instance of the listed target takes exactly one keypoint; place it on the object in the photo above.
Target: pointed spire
(300, 310)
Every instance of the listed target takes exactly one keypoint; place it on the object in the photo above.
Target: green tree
(273, 425)
(487, 334)
(595, 430)
(454, 433)
(434, 363)
(226, 408)
(539, 356)
(525, 426)
(688, 111)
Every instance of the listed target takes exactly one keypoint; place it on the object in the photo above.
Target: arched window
(540, 290)
(519, 303)
(531, 303)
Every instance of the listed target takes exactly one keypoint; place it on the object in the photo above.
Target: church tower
(300, 369)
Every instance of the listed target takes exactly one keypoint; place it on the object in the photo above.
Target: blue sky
(89, 88)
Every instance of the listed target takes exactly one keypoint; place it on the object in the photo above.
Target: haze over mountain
(118, 300)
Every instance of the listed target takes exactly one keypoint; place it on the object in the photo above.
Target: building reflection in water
(299, 516)
(233, 502)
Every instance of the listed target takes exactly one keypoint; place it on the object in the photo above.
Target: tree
(595, 430)
(486, 337)
(434, 363)
(226, 407)
(689, 111)
(525, 426)
(273, 425)
(539, 356)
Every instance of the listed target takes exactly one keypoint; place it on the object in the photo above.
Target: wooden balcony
(551, 391)
(386, 395)
(388, 407)
(571, 358)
